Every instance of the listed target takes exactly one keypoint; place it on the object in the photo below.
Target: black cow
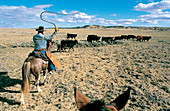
(71, 36)
(66, 44)
(118, 38)
(146, 38)
(132, 36)
(125, 37)
(108, 39)
(91, 38)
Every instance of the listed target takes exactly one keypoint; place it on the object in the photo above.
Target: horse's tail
(26, 76)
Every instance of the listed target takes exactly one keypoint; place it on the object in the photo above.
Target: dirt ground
(102, 72)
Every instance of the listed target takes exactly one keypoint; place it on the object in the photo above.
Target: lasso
(55, 13)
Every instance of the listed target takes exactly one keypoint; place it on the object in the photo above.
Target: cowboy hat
(40, 28)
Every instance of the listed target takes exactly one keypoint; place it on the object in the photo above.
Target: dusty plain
(101, 72)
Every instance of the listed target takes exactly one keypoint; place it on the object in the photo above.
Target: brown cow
(139, 38)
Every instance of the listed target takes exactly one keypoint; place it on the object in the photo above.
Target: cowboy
(40, 44)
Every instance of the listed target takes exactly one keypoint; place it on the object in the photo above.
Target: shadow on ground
(6, 81)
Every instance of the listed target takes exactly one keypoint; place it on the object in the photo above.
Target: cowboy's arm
(52, 36)
(47, 37)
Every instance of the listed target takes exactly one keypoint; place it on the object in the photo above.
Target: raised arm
(47, 37)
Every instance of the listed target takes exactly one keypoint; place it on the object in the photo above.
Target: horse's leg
(38, 87)
(22, 98)
(44, 74)
(51, 73)
(37, 77)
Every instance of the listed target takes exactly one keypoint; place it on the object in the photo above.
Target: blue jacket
(40, 40)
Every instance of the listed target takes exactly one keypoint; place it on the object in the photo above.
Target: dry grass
(98, 72)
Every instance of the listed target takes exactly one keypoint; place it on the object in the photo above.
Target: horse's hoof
(36, 83)
(22, 102)
(39, 90)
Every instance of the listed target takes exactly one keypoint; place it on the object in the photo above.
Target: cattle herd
(91, 38)
(69, 43)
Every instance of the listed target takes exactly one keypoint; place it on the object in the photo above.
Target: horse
(32, 65)
(99, 105)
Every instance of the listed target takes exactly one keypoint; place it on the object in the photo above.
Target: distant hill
(121, 27)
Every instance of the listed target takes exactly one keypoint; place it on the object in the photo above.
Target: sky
(26, 13)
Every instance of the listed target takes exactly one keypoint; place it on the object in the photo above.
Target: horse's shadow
(6, 81)
(10, 102)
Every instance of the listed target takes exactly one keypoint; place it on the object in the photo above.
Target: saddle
(38, 54)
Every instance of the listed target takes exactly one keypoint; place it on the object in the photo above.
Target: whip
(57, 14)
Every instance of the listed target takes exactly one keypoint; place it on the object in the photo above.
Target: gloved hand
(56, 29)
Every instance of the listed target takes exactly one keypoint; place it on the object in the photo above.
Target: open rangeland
(101, 72)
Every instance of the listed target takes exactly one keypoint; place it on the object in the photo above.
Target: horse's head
(84, 105)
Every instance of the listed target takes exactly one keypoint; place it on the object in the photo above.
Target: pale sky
(26, 13)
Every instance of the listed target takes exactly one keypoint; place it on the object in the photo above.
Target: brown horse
(32, 65)
(84, 105)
